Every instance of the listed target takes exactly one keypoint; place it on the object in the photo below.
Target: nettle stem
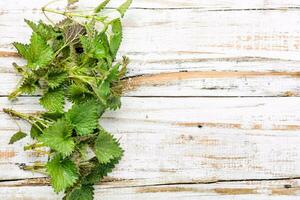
(29, 118)
(14, 113)
(94, 16)
(33, 146)
(70, 14)
(38, 167)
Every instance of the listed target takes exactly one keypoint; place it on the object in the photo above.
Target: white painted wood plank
(261, 190)
(192, 34)
(215, 84)
(201, 4)
(198, 84)
(207, 78)
(171, 140)
(212, 41)
(152, 63)
(187, 139)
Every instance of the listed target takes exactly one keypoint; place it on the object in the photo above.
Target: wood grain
(167, 4)
(198, 83)
(246, 190)
(214, 45)
(206, 83)
(182, 140)
(153, 34)
(171, 140)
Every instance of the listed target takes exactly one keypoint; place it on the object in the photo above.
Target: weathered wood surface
(167, 4)
(199, 83)
(187, 140)
(256, 56)
(168, 36)
(241, 190)
(185, 132)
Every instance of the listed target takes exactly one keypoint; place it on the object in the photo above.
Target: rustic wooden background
(212, 107)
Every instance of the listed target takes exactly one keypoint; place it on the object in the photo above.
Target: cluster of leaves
(72, 61)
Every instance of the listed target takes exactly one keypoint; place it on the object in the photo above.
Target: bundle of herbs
(74, 62)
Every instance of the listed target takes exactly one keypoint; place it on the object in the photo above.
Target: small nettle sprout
(72, 61)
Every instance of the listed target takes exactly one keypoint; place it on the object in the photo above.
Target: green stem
(14, 94)
(29, 118)
(86, 164)
(84, 79)
(92, 85)
(42, 152)
(59, 50)
(14, 113)
(33, 146)
(69, 14)
(37, 126)
(36, 167)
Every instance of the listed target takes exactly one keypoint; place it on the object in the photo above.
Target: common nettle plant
(72, 61)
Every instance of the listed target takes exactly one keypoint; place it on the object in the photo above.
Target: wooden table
(211, 110)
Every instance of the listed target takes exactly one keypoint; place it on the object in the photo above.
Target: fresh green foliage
(63, 173)
(101, 6)
(124, 7)
(43, 30)
(70, 2)
(107, 148)
(116, 37)
(17, 136)
(95, 46)
(98, 171)
(83, 192)
(53, 100)
(38, 53)
(55, 79)
(74, 62)
(84, 117)
(58, 137)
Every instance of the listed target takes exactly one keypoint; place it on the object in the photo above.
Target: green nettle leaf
(101, 6)
(70, 2)
(21, 48)
(116, 37)
(55, 79)
(85, 192)
(114, 73)
(103, 90)
(63, 173)
(46, 31)
(28, 85)
(53, 100)
(78, 94)
(35, 130)
(96, 47)
(100, 170)
(84, 117)
(107, 148)
(114, 103)
(124, 7)
(38, 53)
(59, 137)
(53, 115)
(17, 136)
(86, 44)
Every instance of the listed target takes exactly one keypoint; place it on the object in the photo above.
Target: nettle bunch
(72, 61)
